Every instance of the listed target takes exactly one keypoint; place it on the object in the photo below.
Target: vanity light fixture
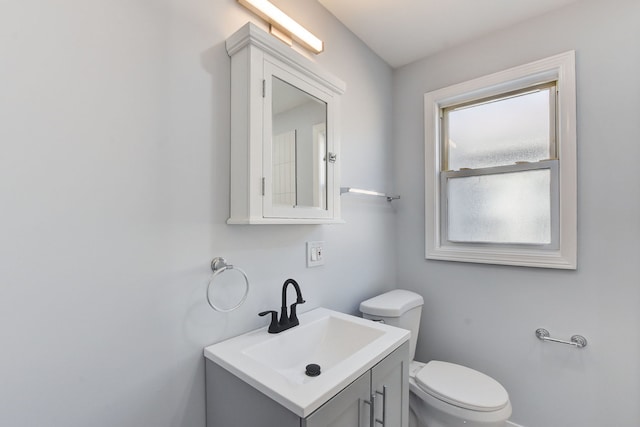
(283, 26)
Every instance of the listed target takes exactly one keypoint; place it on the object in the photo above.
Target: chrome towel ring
(218, 266)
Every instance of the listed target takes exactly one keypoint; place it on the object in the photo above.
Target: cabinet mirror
(298, 158)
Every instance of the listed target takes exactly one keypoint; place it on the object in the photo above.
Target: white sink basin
(327, 342)
(344, 346)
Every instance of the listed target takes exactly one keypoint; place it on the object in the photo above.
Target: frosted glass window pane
(500, 132)
(512, 207)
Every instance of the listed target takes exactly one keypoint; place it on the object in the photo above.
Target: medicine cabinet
(284, 134)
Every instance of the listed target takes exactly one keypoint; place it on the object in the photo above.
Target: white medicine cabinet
(284, 134)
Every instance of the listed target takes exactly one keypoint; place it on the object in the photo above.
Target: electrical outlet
(315, 253)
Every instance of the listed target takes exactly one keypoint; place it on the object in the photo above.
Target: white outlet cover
(315, 253)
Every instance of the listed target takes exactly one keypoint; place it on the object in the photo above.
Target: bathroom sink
(343, 346)
(327, 342)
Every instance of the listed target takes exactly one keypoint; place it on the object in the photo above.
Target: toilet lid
(391, 304)
(462, 386)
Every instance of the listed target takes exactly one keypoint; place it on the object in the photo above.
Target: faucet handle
(293, 316)
(273, 326)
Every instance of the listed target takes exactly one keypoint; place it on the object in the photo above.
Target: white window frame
(563, 253)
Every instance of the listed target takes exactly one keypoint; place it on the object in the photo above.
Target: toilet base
(424, 419)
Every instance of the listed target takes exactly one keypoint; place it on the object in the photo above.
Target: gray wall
(114, 192)
(485, 316)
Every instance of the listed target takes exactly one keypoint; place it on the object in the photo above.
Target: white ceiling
(402, 31)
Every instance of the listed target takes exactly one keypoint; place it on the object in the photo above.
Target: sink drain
(312, 370)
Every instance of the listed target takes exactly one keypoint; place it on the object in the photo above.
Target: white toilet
(441, 394)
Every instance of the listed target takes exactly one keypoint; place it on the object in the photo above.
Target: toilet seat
(461, 386)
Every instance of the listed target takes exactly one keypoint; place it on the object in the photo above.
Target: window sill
(523, 257)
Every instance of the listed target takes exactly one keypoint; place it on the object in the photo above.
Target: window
(500, 161)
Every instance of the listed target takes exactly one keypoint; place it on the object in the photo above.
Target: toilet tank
(398, 308)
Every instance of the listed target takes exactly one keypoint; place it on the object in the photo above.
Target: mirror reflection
(299, 145)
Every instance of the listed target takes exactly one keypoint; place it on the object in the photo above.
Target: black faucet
(286, 321)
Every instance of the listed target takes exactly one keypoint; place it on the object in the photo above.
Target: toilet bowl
(441, 394)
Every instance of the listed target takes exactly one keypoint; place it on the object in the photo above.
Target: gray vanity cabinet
(345, 409)
(390, 385)
(386, 384)
(233, 403)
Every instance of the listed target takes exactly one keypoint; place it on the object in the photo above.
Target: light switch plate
(315, 253)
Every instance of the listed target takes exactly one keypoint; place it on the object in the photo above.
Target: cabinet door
(349, 408)
(297, 124)
(233, 403)
(390, 385)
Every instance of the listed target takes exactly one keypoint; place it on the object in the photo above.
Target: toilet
(441, 394)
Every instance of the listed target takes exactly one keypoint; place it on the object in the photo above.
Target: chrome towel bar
(368, 193)
(577, 341)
